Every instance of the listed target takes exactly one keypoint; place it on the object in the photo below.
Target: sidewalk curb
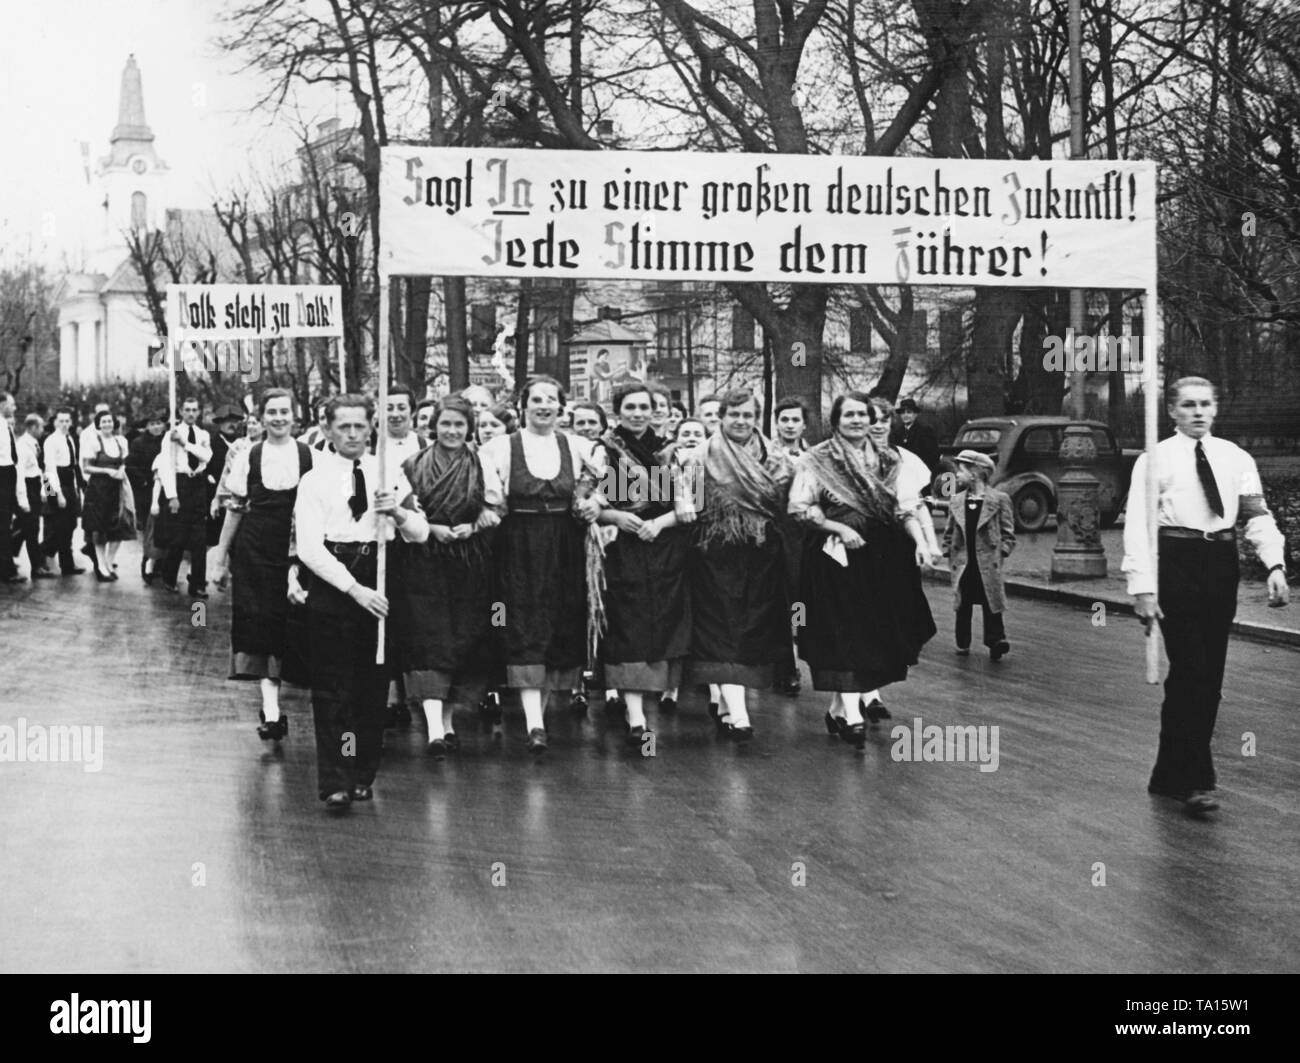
(1022, 588)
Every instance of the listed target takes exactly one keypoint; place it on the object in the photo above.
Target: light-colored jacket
(995, 538)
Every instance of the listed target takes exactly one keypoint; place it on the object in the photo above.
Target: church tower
(131, 177)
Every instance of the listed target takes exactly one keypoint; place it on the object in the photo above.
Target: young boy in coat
(980, 533)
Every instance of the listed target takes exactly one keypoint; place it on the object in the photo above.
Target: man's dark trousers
(1198, 596)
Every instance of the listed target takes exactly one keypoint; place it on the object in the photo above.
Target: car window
(1041, 441)
(983, 436)
(1105, 447)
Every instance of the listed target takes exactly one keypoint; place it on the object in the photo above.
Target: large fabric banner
(799, 218)
(197, 312)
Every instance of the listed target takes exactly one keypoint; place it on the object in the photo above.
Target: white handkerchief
(835, 550)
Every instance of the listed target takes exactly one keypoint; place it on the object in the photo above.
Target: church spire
(131, 124)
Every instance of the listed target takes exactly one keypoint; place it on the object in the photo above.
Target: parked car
(1027, 452)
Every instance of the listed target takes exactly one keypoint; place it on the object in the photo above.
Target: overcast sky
(60, 72)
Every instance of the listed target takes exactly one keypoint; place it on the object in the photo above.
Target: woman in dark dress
(866, 616)
(263, 486)
(542, 551)
(647, 605)
(443, 626)
(105, 519)
(144, 450)
(736, 568)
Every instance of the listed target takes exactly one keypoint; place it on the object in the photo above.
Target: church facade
(105, 331)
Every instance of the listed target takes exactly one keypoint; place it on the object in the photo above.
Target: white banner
(796, 218)
(253, 311)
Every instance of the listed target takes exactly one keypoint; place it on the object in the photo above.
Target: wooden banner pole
(381, 417)
(1151, 393)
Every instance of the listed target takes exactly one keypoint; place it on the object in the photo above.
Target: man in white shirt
(13, 493)
(338, 526)
(183, 473)
(65, 483)
(31, 481)
(1204, 485)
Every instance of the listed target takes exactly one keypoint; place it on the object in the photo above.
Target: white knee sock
(837, 705)
(635, 708)
(853, 707)
(271, 699)
(671, 692)
(611, 694)
(447, 718)
(532, 700)
(392, 692)
(869, 696)
(733, 697)
(433, 716)
(101, 555)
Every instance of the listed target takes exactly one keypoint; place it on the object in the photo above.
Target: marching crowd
(545, 548)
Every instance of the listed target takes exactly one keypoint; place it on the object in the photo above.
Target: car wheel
(1032, 505)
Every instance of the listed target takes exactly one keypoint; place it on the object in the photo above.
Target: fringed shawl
(449, 487)
(843, 472)
(633, 463)
(744, 487)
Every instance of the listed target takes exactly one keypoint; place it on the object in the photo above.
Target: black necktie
(77, 474)
(1206, 476)
(13, 448)
(194, 460)
(357, 503)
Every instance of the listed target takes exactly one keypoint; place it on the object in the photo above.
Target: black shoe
(171, 588)
(338, 801)
(537, 741)
(452, 742)
(362, 793)
(73, 572)
(855, 734)
(100, 577)
(148, 578)
(616, 705)
(635, 734)
(15, 578)
(437, 748)
(667, 704)
(578, 701)
(114, 577)
(273, 731)
(1200, 801)
(201, 595)
(1000, 650)
(741, 734)
(490, 707)
(876, 711)
(789, 686)
(713, 710)
(835, 725)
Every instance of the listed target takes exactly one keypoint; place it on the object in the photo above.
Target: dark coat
(995, 538)
(921, 440)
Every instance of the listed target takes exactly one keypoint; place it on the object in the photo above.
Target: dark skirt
(864, 625)
(442, 613)
(648, 607)
(740, 616)
(542, 590)
(102, 510)
(259, 606)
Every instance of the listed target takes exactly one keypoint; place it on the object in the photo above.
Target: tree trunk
(418, 291)
(523, 326)
(996, 312)
(1116, 399)
(909, 335)
(568, 293)
(455, 306)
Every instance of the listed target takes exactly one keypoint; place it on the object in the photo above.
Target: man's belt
(1227, 535)
(350, 550)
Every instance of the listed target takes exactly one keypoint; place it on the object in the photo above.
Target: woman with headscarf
(443, 621)
(865, 614)
(647, 605)
(736, 568)
(542, 560)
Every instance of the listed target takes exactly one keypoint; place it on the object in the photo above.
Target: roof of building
(608, 331)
